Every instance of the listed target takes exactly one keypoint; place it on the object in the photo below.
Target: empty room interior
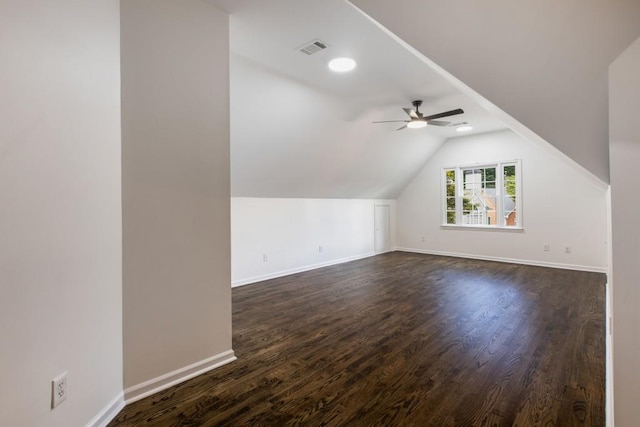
(207, 221)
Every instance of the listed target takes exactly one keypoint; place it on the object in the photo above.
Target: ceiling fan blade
(402, 127)
(445, 114)
(412, 113)
(392, 121)
(438, 123)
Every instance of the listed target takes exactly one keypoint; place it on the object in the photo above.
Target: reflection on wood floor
(404, 340)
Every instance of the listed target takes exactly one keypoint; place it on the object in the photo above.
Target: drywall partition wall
(546, 70)
(175, 157)
(60, 214)
(624, 97)
(276, 237)
(561, 207)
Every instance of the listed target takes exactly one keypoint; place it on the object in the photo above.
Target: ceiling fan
(417, 120)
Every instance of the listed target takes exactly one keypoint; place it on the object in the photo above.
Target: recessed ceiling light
(416, 124)
(342, 65)
(465, 128)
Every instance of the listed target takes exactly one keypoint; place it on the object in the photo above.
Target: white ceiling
(543, 62)
(309, 132)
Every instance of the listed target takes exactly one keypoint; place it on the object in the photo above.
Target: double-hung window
(483, 195)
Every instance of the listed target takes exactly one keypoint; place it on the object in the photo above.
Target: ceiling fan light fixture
(417, 124)
(342, 65)
(464, 128)
(418, 120)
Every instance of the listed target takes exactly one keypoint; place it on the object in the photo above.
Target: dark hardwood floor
(404, 340)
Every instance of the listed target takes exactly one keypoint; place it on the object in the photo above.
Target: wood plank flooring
(404, 340)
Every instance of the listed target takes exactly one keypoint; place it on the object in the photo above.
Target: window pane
(451, 217)
(509, 202)
(451, 190)
(510, 180)
(450, 176)
(490, 174)
(479, 196)
(451, 203)
(490, 206)
(474, 211)
(472, 178)
(450, 193)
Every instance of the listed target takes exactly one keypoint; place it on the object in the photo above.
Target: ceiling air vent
(313, 47)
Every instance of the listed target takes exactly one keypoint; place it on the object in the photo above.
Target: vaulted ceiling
(299, 130)
(543, 62)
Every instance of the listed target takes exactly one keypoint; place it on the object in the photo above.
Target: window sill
(481, 227)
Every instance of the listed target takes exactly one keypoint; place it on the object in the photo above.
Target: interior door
(382, 234)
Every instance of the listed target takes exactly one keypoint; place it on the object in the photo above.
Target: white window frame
(501, 223)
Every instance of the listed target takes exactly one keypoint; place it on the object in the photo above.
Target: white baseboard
(509, 260)
(147, 388)
(609, 363)
(108, 413)
(242, 282)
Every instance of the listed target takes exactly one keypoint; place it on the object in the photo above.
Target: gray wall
(624, 97)
(175, 173)
(60, 209)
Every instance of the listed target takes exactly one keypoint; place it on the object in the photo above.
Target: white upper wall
(289, 139)
(543, 62)
(60, 215)
(561, 207)
(299, 234)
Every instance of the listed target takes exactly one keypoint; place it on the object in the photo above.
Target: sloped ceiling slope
(543, 62)
(289, 139)
(299, 130)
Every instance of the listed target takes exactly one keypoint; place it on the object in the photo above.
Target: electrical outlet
(547, 247)
(265, 258)
(422, 239)
(58, 390)
(319, 248)
(610, 326)
(567, 249)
